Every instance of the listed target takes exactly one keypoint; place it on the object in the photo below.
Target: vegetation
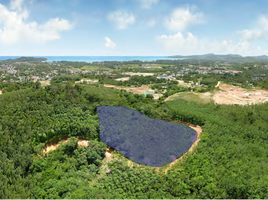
(230, 161)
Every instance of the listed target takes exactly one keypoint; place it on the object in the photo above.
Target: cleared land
(236, 95)
(135, 90)
(93, 68)
(88, 81)
(53, 145)
(122, 79)
(44, 83)
(228, 95)
(138, 74)
(181, 82)
(192, 96)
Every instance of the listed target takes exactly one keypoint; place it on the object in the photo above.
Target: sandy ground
(135, 90)
(0, 91)
(139, 74)
(108, 154)
(43, 83)
(181, 82)
(236, 95)
(123, 79)
(53, 145)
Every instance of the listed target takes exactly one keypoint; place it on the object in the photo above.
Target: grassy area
(92, 67)
(197, 97)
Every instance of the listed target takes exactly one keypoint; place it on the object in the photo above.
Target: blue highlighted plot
(142, 139)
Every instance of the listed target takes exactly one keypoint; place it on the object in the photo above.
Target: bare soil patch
(228, 95)
(122, 79)
(53, 145)
(88, 81)
(44, 83)
(0, 91)
(236, 95)
(181, 82)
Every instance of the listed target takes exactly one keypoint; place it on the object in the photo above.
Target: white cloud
(151, 23)
(191, 44)
(16, 4)
(183, 17)
(259, 32)
(148, 3)
(122, 19)
(15, 28)
(109, 43)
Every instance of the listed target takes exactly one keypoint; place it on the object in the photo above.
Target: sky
(133, 27)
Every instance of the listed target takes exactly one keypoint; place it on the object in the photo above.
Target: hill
(228, 57)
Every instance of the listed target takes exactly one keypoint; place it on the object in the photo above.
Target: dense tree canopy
(230, 160)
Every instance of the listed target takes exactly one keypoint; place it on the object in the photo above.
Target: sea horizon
(91, 59)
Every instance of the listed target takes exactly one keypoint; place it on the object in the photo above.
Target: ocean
(91, 59)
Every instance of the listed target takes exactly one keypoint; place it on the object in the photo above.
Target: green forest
(230, 160)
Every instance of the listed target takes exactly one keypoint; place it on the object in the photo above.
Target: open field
(192, 96)
(123, 79)
(135, 90)
(156, 66)
(138, 74)
(228, 95)
(92, 68)
(88, 81)
(181, 82)
(236, 95)
(44, 83)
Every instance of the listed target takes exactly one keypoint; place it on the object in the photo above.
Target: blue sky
(133, 27)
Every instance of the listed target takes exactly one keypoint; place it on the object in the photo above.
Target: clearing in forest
(138, 74)
(44, 83)
(192, 96)
(51, 146)
(135, 90)
(230, 94)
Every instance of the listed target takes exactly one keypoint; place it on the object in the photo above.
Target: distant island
(26, 59)
(228, 57)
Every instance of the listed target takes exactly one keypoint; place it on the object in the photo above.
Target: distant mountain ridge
(226, 57)
(26, 59)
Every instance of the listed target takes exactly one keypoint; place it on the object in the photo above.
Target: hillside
(228, 57)
(230, 160)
